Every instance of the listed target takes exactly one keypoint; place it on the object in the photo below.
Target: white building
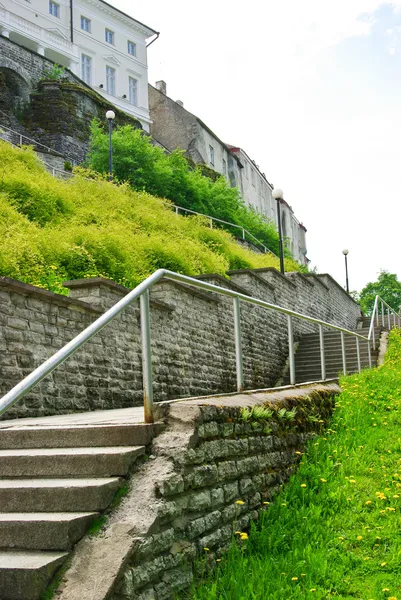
(105, 47)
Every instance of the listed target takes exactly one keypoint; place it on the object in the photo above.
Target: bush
(148, 168)
(53, 230)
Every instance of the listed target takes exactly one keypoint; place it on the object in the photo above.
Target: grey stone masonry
(192, 332)
(216, 467)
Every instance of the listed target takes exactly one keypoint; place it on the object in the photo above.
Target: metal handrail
(21, 136)
(142, 292)
(211, 219)
(375, 315)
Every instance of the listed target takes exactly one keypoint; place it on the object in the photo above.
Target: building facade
(175, 127)
(103, 46)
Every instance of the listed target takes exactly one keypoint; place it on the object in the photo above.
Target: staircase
(307, 356)
(57, 474)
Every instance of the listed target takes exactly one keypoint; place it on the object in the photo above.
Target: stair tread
(111, 450)
(48, 482)
(51, 517)
(28, 560)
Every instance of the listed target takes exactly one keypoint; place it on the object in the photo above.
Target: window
(109, 36)
(111, 80)
(211, 154)
(86, 68)
(85, 24)
(54, 9)
(224, 167)
(131, 48)
(133, 91)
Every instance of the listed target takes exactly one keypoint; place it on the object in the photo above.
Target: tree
(387, 287)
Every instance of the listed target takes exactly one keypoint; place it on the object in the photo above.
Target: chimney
(162, 87)
(179, 102)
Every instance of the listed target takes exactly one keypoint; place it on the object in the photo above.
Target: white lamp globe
(345, 252)
(278, 194)
(110, 115)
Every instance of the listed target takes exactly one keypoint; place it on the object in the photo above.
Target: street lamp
(278, 195)
(345, 252)
(110, 116)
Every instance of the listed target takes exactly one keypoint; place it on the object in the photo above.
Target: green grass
(334, 531)
(54, 230)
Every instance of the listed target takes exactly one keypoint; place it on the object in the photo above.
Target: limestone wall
(192, 338)
(211, 473)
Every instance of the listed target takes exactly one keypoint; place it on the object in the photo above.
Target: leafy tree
(146, 167)
(387, 287)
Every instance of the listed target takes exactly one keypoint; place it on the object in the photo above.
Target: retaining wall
(192, 338)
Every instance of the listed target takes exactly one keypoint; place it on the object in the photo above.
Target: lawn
(334, 529)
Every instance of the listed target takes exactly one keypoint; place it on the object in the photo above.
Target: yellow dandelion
(267, 503)
(206, 549)
(240, 502)
(368, 502)
(385, 590)
(298, 452)
(383, 564)
(294, 578)
(244, 536)
(237, 532)
(359, 538)
(303, 485)
(323, 480)
(218, 559)
(312, 590)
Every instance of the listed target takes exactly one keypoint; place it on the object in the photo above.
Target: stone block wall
(192, 338)
(212, 472)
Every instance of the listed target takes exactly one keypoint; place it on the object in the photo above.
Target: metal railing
(18, 139)
(387, 313)
(142, 292)
(244, 232)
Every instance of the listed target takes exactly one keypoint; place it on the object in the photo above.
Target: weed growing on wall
(333, 531)
(53, 230)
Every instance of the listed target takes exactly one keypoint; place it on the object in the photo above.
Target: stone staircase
(57, 474)
(307, 356)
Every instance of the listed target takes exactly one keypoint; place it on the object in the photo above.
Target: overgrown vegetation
(333, 531)
(53, 230)
(148, 168)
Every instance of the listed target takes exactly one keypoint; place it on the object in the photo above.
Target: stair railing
(387, 315)
(142, 292)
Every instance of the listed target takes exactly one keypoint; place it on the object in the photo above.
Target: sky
(311, 91)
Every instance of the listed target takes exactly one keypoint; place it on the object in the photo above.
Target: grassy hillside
(54, 230)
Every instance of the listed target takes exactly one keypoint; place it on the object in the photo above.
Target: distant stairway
(307, 356)
(57, 475)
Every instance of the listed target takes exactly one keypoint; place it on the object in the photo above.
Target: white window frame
(86, 69)
(54, 9)
(112, 34)
(211, 155)
(110, 79)
(89, 23)
(131, 45)
(133, 91)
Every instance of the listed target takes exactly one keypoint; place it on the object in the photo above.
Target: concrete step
(68, 462)
(25, 575)
(61, 495)
(43, 531)
(13, 435)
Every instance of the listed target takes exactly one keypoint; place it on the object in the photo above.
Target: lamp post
(110, 116)
(278, 195)
(345, 252)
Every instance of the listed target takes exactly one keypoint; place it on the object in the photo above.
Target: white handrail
(142, 292)
(375, 314)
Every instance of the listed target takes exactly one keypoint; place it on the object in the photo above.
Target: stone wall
(192, 338)
(25, 99)
(212, 472)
